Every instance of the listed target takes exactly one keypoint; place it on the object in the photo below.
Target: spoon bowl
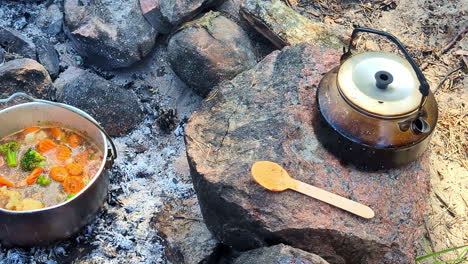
(271, 176)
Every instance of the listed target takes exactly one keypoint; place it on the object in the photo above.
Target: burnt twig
(464, 57)
(446, 77)
(177, 217)
(291, 3)
(454, 40)
(444, 203)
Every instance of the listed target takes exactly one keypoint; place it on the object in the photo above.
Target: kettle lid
(380, 83)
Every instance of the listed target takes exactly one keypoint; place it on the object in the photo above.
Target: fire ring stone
(269, 113)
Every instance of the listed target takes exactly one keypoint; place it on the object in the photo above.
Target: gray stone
(116, 108)
(270, 113)
(109, 33)
(186, 238)
(279, 254)
(3, 55)
(13, 42)
(164, 15)
(210, 50)
(48, 56)
(25, 75)
(50, 20)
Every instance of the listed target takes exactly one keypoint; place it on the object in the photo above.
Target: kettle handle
(423, 84)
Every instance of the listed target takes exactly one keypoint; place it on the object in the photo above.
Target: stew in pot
(44, 166)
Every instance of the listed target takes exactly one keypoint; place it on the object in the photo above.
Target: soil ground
(432, 30)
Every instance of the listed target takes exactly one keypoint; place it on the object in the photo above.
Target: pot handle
(423, 84)
(112, 154)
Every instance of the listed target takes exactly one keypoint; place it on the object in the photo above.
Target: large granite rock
(164, 15)
(109, 33)
(269, 113)
(209, 50)
(279, 254)
(25, 75)
(116, 108)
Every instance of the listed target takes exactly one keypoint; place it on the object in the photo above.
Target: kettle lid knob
(383, 79)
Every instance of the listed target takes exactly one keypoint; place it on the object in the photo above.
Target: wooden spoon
(273, 177)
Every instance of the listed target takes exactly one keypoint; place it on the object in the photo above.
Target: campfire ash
(123, 229)
(144, 178)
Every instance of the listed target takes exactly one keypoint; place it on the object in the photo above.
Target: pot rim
(102, 167)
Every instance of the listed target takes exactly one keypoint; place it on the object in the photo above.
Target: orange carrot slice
(45, 145)
(6, 182)
(31, 179)
(74, 141)
(73, 184)
(56, 132)
(58, 173)
(63, 153)
(81, 159)
(74, 169)
(30, 130)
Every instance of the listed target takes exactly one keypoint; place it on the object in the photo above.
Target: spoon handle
(333, 199)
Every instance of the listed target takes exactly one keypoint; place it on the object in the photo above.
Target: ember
(159, 74)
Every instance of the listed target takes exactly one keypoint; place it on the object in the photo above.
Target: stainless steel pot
(42, 226)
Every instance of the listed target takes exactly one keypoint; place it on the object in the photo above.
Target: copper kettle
(376, 109)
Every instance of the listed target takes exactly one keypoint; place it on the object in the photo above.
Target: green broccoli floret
(43, 180)
(10, 150)
(71, 195)
(31, 160)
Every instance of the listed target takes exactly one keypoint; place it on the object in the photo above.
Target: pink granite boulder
(270, 113)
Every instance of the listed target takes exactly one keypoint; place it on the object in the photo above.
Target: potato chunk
(31, 204)
(13, 200)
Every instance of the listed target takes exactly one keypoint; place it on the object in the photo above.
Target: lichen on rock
(283, 26)
(206, 21)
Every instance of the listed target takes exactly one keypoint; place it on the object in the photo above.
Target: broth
(71, 161)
